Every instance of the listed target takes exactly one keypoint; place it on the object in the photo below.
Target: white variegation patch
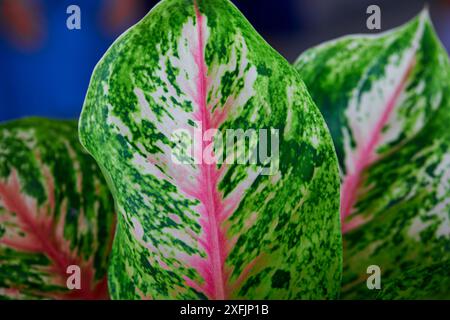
(374, 117)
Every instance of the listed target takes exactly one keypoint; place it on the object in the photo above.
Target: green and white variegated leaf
(212, 230)
(386, 100)
(55, 212)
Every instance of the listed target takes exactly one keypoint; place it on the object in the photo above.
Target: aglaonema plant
(199, 229)
(386, 100)
(56, 214)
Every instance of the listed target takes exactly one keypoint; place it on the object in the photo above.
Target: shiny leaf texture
(386, 101)
(55, 212)
(212, 230)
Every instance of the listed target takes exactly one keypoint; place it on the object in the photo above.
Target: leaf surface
(419, 283)
(210, 229)
(386, 101)
(55, 211)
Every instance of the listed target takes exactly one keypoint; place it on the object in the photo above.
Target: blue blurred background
(45, 68)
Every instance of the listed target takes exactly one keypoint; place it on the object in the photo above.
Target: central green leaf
(197, 228)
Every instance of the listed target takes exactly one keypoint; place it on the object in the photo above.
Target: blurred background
(45, 68)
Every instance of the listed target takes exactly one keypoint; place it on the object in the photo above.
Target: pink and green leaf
(215, 231)
(55, 211)
(386, 101)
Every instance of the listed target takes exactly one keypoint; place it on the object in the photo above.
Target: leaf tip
(424, 15)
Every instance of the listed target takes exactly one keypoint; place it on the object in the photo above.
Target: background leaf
(55, 211)
(211, 231)
(431, 281)
(386, 101)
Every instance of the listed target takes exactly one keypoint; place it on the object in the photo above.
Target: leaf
(206, 229)
(429, 282)
(386, 101)
(55, 211)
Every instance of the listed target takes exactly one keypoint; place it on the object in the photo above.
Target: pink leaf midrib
(209, 174)
(366, 157)
(214, 209)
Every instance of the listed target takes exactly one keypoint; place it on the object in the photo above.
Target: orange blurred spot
(23, 23)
